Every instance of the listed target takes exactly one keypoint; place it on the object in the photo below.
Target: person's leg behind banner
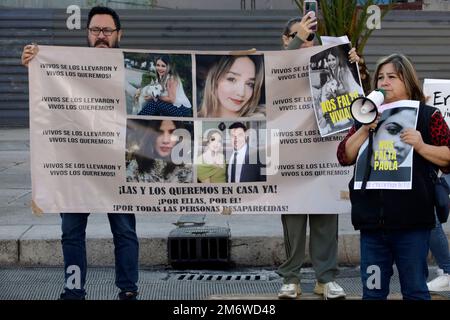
(73, 242)
(440, 250)
(294, 231)
(323, 247)
(126, 251)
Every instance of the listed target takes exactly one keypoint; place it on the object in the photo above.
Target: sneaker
(318, 289)
(128, 295)
(441, 283)
(289, 291)
(329, 290)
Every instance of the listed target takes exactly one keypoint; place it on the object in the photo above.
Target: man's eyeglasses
(106, 31)
(292, 35)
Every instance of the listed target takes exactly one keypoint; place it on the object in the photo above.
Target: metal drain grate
(221, 277)
(198, 245)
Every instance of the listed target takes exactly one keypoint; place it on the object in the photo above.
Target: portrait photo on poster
(392, 159)
(335, 83)
(159, 151)
(158, 84)
(231, 151)
(230, 86)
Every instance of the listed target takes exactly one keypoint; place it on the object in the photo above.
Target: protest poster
(120, 134)
(391, 159)
(335, 83)
(438, 93)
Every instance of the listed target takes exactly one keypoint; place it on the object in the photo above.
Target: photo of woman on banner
(345, 73)
(211, 162)
(157, 84)
(334, 82)
(230, 86)
(391, 158)
(159, 151)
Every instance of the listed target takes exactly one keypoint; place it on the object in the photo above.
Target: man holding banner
(103, 31)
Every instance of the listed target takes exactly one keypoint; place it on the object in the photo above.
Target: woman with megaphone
(395, 224)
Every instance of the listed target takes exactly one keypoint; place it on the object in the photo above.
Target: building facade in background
(159, 4)
(203, 4)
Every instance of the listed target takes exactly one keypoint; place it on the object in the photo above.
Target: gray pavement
(28, 240)
(45, 283)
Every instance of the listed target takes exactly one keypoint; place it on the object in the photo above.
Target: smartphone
(310, 5)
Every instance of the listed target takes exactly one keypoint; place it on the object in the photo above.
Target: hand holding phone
(311, 6)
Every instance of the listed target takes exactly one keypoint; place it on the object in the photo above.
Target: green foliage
(346, 17)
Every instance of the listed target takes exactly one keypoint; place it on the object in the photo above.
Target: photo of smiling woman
(158, 84)
(172, 101)
(159, 151)
(230, 86)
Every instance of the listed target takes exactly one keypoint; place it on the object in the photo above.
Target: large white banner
(120, 130)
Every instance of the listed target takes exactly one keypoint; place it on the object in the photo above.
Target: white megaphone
(365, 109)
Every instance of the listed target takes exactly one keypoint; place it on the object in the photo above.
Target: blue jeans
(126, 251)
(408, 249)
(439, 247)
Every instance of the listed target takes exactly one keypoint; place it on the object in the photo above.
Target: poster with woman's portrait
(391, 159)
(230, 86)
(158, 84)
(335, 83)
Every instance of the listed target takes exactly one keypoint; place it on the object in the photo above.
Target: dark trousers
(323, 246)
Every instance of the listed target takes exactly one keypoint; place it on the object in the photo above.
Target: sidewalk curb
(255, 251)
(24, 247)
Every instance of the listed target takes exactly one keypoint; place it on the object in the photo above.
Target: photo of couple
(229, 152)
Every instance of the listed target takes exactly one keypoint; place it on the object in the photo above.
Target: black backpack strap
(423, 121)
(423, 125)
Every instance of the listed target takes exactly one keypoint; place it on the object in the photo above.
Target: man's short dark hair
(104, 10)
(238, 125)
